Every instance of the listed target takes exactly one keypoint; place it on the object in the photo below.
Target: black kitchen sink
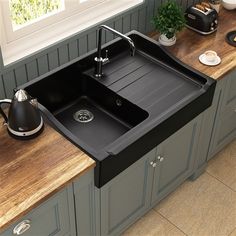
(139, 102)
(89, 110)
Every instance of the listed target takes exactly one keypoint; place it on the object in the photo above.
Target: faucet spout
(99, 60)
(132, 47)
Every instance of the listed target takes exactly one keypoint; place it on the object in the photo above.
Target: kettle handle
(1, 110)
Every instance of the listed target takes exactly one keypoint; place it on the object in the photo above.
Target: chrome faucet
(98, 59)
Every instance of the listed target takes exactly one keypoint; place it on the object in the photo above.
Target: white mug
(210, 55)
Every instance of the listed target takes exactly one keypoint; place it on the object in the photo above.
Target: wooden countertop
(33, 170)
(190, 45)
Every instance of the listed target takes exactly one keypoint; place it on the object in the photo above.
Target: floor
(205, 207)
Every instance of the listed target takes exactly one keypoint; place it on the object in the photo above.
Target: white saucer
(203, 60)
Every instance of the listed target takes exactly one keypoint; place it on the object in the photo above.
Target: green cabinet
(70, 212)
(54, 217)
(125, 198)
(130, 194)
(206, 129)
(224, 130)
(218, 126)
(175, 159)
(85, 205)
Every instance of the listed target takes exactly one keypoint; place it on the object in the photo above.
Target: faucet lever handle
(106, 55)
(106, 59)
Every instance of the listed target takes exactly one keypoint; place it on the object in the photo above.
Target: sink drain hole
(83, 116)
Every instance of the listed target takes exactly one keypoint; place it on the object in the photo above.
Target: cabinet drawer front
(50, 218)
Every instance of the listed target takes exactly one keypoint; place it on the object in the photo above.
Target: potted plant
(168, 21)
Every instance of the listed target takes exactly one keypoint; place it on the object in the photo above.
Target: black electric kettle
(24, 120)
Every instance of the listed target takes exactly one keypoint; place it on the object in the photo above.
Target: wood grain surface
(190, 45)
(31, 171)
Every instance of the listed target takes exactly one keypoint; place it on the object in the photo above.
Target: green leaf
(169, 16)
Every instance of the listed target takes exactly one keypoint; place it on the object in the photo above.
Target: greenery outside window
(24, 12)
(22, 17)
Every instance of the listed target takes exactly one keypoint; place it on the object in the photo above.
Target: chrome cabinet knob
(153, 164)
(160, 158)
(22, 227)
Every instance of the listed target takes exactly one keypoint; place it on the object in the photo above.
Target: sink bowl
(89, 110)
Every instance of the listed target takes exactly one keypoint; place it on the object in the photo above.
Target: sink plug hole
(83, 116)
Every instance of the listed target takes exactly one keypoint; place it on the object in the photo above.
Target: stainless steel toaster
(203, 21)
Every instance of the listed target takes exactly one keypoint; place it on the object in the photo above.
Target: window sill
(54, 33)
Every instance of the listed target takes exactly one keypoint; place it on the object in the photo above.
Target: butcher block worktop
(190, 45)
(31, 171)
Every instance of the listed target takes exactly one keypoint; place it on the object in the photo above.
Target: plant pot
(165, 41)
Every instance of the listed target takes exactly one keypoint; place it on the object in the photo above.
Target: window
(22, 17)
(24, 12)
(30, 25)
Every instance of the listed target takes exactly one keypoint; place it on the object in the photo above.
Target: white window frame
(70, 7)
(50, 30)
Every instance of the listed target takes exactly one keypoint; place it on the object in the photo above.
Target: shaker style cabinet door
(225, 122)
(54, 217)
(125, 198)
(175, 159)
